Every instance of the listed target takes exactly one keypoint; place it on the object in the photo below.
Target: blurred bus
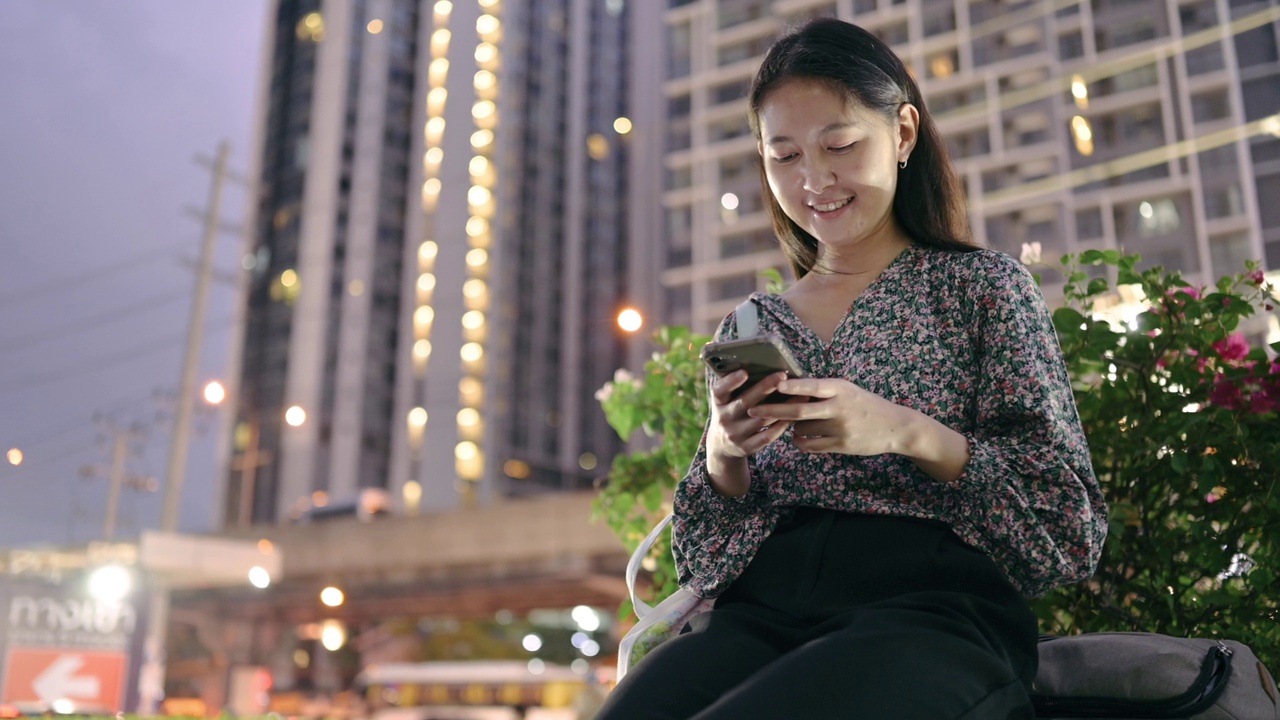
(471, 690)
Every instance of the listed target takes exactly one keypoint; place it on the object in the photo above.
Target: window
(1257, 46)
(1228, 253)
(1089, 223)
(1070, 46)
(1205, 59)
(1209, 106)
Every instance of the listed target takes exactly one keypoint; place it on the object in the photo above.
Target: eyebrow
(839, 125)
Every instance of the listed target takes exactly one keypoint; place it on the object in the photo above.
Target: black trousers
(856, 617)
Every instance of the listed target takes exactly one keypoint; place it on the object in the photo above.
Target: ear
(760, 147)
(908, 130)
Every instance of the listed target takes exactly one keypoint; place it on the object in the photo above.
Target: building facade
(437, 251)
(1147, 125)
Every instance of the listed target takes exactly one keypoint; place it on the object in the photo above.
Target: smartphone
(760, 356)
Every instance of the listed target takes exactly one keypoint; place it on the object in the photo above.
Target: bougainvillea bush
(1180, 410)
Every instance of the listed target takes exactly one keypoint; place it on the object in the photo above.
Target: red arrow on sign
(45, 675)
(60, 682)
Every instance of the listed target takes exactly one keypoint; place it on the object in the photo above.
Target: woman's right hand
(733, 433)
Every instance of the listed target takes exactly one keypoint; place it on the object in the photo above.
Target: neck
(866, 259)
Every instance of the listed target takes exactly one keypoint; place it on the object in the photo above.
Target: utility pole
(117, 478)
(151, 680)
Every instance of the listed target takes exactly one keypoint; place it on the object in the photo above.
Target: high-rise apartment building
(437, 252)
(1149, 125)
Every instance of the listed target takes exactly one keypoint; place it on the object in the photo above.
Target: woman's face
(832, 164)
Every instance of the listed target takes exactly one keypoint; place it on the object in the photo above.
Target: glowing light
(426, 282)
(427, 251)
(485, 80)
(214, 392)
(332, 596)
(1146, 210)
(468, 417)
(110, 583)
(374, 27)
(473, 319)
(440, 42)
(474, 288)
(422, 349)
(435, 128)
(586, 618)
(478, 195)
(431, 187)
(333, 635)
(486, 53)
(466, 450)
(424, 316)
(588, 461)
(436, 99)
(289, 278)
(597, 146)
(412, 493)
(1081, 128)
(487, 25)
(15, 456)
(630, 319)
(1080, 91)
(531, 642)
(481, 139)
(477, 258)
(477, 226)
(259, 577)
(443, 7)
(471, 351)
(483, 109)
(622, 125)
(517, 469)
(437, 71)
(478, 166)
(356, 288)
(418, 417)
(295, 416)
(729, 201)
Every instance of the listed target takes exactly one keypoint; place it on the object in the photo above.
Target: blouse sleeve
(1029, 489)
(709, 528)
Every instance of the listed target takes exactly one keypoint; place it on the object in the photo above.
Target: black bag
(1128, 676)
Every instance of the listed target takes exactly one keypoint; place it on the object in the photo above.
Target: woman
(870, 543)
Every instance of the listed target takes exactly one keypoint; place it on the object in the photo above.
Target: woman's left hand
(840, 417)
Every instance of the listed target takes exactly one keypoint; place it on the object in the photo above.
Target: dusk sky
(106, 103)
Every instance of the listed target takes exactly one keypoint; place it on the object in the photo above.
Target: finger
(791, 411)
(753, 395)
(810, 387)
(764, 438)
(722, 389)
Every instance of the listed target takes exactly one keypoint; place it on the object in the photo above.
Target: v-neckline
(789, 314)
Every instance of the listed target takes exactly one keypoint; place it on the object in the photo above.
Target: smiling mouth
(831, 206)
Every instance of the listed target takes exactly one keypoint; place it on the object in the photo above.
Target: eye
(844, 148)
(785, 158)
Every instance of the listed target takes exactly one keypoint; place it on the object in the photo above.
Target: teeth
(828, 207)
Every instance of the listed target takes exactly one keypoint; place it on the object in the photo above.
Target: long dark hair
(929, 204)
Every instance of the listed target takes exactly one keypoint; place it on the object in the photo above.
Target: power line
(150, 304)
(60, 284)
(101, 363)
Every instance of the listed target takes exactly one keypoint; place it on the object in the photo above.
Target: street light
(15, 456)
(630, 319)
(214, 392)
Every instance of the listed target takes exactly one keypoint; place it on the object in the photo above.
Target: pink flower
(1187, 290)
(1226, 394)
(1211, 498)
(1256, 277)
(1233, 348)
(1263, 402)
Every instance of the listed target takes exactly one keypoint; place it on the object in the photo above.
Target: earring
(903, 165)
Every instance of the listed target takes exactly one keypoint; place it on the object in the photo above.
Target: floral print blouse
(966, 338)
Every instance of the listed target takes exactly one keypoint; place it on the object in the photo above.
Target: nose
(817, 176)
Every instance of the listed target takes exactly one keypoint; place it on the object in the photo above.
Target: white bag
(657, 623)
